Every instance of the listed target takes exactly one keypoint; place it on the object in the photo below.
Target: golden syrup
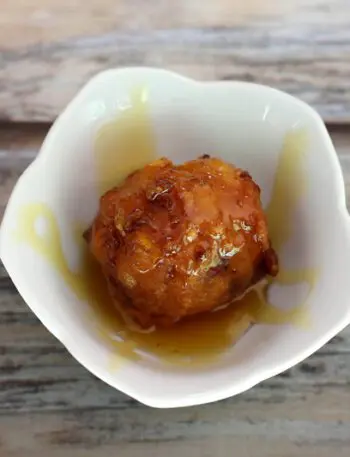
(125, 144)
(199, 339)
(289, 185)
(87, 284)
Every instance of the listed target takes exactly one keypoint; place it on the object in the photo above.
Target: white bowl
(240, 122)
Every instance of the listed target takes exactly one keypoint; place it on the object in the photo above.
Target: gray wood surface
(49, 48)
(51, 406)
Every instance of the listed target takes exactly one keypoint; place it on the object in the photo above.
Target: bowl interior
(241, 123)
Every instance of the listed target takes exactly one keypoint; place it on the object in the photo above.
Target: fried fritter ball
(174, 241)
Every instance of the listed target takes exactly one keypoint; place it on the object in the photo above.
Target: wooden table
(49, 404)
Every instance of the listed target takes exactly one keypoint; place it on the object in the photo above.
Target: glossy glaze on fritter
(174, 241)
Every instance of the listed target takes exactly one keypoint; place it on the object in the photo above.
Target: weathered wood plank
(41, 439)
(50, 48)
(52, 20)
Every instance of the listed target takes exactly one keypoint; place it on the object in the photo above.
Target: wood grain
(50, 48)
(50, 405)
(50, 20)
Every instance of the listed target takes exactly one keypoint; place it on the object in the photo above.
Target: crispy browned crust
(175, 241)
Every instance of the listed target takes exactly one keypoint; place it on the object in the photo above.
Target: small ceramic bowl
(283, 144)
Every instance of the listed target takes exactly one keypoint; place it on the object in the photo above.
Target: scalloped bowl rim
(68, 341)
